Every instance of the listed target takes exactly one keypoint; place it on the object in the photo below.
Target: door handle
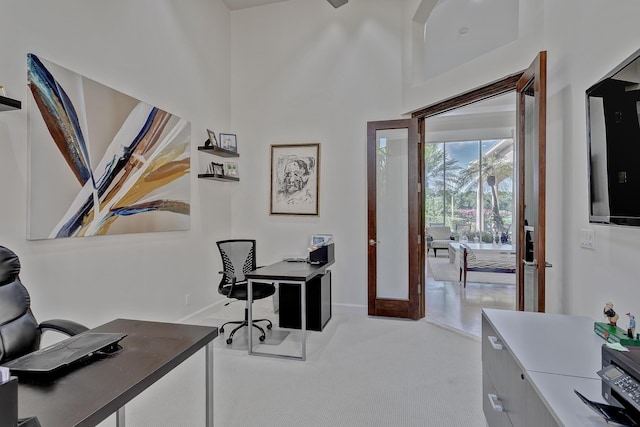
(534, 263)
(373, 242)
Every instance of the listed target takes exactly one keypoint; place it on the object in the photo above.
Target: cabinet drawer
(496, 358)
(504, 373)
(536, 409)
(495, 418)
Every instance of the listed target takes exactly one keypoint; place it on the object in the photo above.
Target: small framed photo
(229, 142)
(231, 169)
(212, 141)
(217, 168)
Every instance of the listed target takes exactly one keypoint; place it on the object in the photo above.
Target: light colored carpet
(445, 271)
(360, 371)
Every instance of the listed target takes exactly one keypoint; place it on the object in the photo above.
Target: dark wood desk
(298, 273)
(90, 393)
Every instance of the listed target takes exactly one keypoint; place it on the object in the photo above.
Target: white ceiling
(243, 4)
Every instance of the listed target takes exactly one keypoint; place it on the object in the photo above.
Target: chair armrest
(233, 281)
(229, 275)
(67, 327)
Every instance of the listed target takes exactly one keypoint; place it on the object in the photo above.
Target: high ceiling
(243, 4)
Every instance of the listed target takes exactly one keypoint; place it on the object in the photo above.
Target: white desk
(298, 273)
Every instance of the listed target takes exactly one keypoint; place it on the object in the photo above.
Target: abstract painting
(102, 162)
(295, 179)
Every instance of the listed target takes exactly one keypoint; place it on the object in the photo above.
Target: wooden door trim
(422, 253)
(387, 307)
(536, 74)
(499, 87)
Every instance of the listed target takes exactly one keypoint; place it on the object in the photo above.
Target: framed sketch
(212, 141)
(295, 179)
(231, 169)
(229, 142)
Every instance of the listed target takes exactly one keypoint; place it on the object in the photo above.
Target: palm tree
(496, 168)
(440, 173)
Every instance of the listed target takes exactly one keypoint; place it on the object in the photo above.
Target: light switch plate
(587, 239)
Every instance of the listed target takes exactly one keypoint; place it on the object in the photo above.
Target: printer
(621, 379)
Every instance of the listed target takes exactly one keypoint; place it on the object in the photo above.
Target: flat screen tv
(613, 139)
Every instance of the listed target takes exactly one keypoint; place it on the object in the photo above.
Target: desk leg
(120, 417)
(303, 322)
(250, 315)
(303, 318)
(209, 384)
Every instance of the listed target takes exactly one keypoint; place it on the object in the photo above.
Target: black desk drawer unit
(318, 303)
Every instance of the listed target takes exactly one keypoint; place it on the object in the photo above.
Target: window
(469, 187)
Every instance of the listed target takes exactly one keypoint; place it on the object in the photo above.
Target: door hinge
(419, 188)
(419, 239)
(419, 288)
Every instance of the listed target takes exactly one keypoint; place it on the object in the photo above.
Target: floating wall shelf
(8, 104)
(217, 177)
(215, 150)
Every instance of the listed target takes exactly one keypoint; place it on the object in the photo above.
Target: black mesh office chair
(20, 333)
(238, 258)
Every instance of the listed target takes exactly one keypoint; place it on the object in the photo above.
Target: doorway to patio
(469, 175)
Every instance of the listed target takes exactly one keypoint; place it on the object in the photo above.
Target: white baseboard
(198, 316)
(351, 309)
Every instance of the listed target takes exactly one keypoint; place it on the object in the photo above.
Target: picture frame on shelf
(295, 179)
(217, 168)
(229, 141)
(231, 169)
(212, 141)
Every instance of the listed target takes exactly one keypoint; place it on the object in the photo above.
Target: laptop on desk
(65, 353)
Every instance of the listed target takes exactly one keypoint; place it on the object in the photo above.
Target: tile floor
(451, 305)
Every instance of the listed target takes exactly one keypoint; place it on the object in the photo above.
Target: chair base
(245, 322)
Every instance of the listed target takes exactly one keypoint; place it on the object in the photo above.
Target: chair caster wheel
(262, 337)
(229, 340)
(221, 329)
(269, 326)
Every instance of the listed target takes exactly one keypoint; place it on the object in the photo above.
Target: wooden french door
(531, 123)
(394, 239)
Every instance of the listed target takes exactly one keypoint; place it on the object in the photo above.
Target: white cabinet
(516, 398)
(531, 364)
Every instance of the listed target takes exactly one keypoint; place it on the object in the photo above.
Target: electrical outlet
(187, 300)
(587, 239)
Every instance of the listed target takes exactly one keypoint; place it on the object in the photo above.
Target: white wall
(169, 53)
(585, 40)
(300, 71)
(303, 71)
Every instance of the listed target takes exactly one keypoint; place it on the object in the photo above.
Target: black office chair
(20, 333)
(238, 258)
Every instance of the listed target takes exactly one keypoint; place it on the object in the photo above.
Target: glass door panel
(531, 158)
(395, 250)
(391, 206)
